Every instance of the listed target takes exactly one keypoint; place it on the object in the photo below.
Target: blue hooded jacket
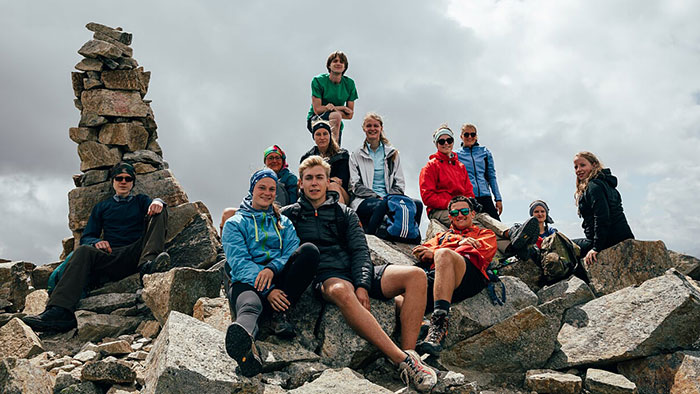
(252, 242)
(482, 171)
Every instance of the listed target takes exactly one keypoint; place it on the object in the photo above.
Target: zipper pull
(316, 212)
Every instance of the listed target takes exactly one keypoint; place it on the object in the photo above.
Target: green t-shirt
(329, 92)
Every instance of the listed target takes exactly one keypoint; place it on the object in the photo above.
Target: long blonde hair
(597, 167)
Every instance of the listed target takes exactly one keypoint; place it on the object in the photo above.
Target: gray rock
(127, 51)
(91, 119)
(340, 381)
(89, 83)
(116, 34)
(106, 303)
(85, 356)
(661, 314)
(93, 177)
(195, 246)
(40, 275)
(302, 372)
(523, 341)
(559, 297)
(477, 313)
(107, 102)
(18, 340)
(95, 155)
(65, 379)
(35, 303)
(434, 228)
(134, 137)
(381, 253)
(527, 271)
(628, 263)
(89, 64)
(685, 264)
(305, 315)
(189, 356)
(554, 382)
(278, 356)
(178, 290)
(94, 327)
(82, 134)
(21, 376)
(95, 48)
(144, 156)
(14, 286)
(213, 311)
(604, 382)
(182, 215)
(108, 371)
(82, 388)
(678, 372)
(130, 284)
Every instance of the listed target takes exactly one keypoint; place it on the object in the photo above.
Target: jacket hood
(247, 208)
(443, 157)
(607, 176)
(266, 218)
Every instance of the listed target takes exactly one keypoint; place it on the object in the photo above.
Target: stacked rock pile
(117, 124)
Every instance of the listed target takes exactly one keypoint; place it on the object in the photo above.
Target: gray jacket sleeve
(398, 182)
(357, 187)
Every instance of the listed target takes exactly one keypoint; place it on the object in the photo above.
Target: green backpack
(559, 257)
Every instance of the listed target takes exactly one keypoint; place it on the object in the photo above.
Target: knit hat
(540, 203)
(320, 124)
(260, 174)
(279, 151)
(120, 168)
(441, 132)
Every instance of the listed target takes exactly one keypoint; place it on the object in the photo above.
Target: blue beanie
(260, 174)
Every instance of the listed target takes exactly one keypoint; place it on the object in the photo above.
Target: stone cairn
(632, 327)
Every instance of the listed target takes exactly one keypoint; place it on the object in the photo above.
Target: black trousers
(247, 304)
(488, 207)
(88, 263)
(372, 210)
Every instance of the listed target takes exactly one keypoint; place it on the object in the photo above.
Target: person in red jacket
(455, 262)
(443, 177)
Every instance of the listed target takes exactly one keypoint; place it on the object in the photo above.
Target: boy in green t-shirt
(333, 95)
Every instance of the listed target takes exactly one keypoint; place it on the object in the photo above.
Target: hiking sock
(442, 305)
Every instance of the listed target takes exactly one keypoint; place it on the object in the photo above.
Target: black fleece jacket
(600, 206)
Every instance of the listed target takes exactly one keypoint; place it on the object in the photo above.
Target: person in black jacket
(338, 158)
(125, 234)
(346, 277)
(600, 206)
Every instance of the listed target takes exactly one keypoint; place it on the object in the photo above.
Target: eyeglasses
(469, 135)
(123, 178)
(446, 141)
(455, 212)
(274, 158)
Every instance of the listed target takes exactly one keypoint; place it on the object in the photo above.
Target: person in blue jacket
(482, 172)
(266, 269)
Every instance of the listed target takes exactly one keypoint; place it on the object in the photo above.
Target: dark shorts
(472, 284)
(375, 290)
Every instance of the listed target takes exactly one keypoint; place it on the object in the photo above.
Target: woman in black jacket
(600, 206)
(339, 158)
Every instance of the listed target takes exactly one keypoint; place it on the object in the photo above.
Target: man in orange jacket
(456, 262)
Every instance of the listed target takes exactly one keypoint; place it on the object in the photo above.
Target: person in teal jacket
(266, 269)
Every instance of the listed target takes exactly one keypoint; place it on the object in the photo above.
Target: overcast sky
(541, 80)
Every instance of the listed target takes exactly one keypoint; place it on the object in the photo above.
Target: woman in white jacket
(375, 172)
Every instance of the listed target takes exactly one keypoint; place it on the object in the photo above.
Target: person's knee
(417, 278)
(228, 212)
(249, 302)
(83, 254)
(342, 294)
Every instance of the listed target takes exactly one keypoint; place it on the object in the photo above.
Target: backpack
(400, 221)
(559, 257)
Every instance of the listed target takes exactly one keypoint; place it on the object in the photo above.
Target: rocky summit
(628, 324)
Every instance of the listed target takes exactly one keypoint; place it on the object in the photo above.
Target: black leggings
(372, 211)
(488, 207)
(248, 304)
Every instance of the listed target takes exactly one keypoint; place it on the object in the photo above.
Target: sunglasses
(455, 212)
(123, 178)
(446, 141)
(469, 135)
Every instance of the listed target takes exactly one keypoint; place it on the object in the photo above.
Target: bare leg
(449, 271)
(335, 118)
(342, 293)
(228, 212)
(412, 283)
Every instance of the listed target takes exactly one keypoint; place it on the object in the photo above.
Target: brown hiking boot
(436, 334)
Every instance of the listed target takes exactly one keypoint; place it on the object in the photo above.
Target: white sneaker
(414, 370)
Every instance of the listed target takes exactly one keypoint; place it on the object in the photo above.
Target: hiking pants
(487, 206)
(247, 304)
(88, 264)
(372, 211)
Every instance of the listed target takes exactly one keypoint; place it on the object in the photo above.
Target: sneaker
(241, 347)
(160, 264)
(54, 318)
(281, 325)
(412, 369)
(524, 235)
(432, 344)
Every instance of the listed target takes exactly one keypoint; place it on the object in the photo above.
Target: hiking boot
(412, 369)
(241, 347)
(524, 235)
(160, 264)
(424, 327)
(54, 318)
(281, 325)
(432, 344)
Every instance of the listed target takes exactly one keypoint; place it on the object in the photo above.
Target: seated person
(132, 228)
(336, 156)
(333, 95)
(540, 211)
(455, 262)
(375, 172)
(267, 270)
(274, 159)
(443, 177)
(346, 277)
